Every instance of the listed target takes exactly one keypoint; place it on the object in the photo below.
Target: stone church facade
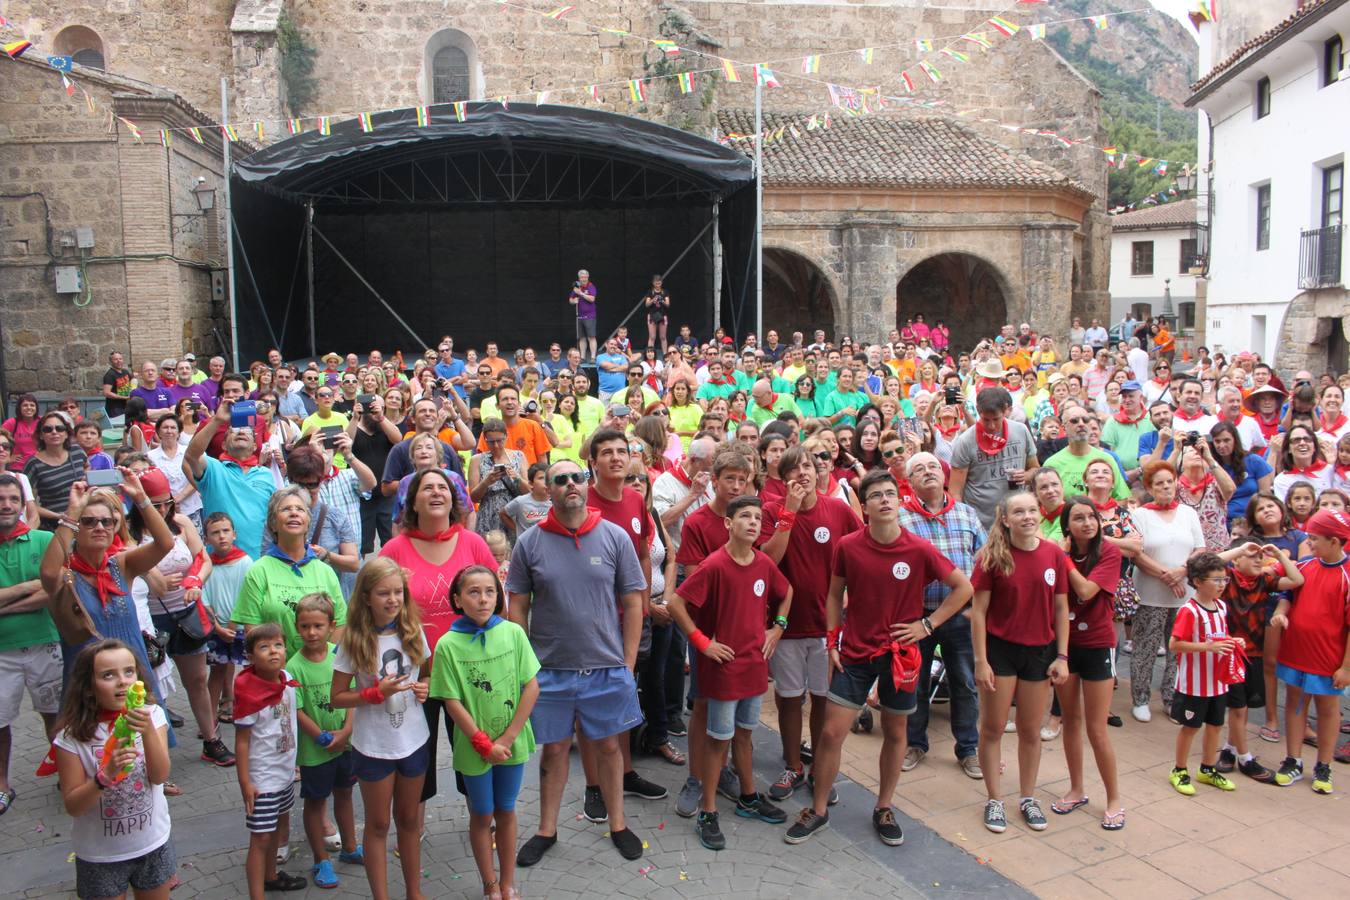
(955, 208)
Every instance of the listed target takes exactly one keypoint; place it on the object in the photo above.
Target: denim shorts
(319, 782)
(725, 716)
(111, 879)
(370, 768)
(850, 687)
(1308, 683)
(603, 701)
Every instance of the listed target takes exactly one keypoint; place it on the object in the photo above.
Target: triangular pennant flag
(637, 91)
(764, 75)
(907, 81)
(795, 132)
(68, 85)
(295, 126)
(955, 54)
(595, 92)
(1205, 10)
(260, 131)
(729, 70)
(325, 127)
(230, 132)
(166, 139)
(559, 12)
(541, 98)
(827, 120)
(1099, 22)
(1036, 31)
(865, 54)
(502, 101)
(810, 65)
(366, 125)
(89, 100)
(1003, 26)
(979, 38)
(196, 134)
(813, 123)
(131, 126)
(931, 71)
(461, 110)
(669, 48)
(686, 82)
(423, 116)
(15, 49)
(923, 45)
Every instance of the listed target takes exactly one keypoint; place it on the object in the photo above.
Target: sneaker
(1010, 727)
(884, 824)
(913, 756)
(216, 752)
(176, 721)
(593, 807)
(1227, 761)
(1291, 770)
(1127, 647)
(1181, 780)
(1321, 783)
(634, 785)
(285, 881)
(834, 795)
(1142, 713)
(994, 817)
(1214, 778)
(628, 844)
(1031, 812)
(686, 804)
(1161, 652)
(864, 722)
(47, 767)
(324, 876)
(1257, 772)
(728, 785)
(534, 849)
(807, 824)
(760, 808)
(709, 831)
(283, 854)
(676, 727)
(789, 781)
(356, 858)
(971, 766)
(806, 753)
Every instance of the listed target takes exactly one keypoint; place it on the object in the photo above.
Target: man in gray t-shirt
(993, 457)
(571, 577)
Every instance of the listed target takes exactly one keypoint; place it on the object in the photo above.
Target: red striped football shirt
(1198, 673)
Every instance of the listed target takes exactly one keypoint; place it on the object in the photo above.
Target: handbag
(155, 645)
(72, 620)
(195, 622)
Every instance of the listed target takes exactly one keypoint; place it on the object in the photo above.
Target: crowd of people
(326, 561)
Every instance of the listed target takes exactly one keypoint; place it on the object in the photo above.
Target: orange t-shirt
(527, 436)
(495, 362)
(1163, 340)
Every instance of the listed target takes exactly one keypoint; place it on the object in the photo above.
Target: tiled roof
(880, 151)
(1177, 214)
(1308, 8)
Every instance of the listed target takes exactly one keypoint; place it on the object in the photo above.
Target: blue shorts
(603, 701)
(494, 790)
(370, 768)
(850, 687)
(338, 774)
(1308, 683)
(725, 716)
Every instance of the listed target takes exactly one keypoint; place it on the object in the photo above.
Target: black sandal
(285, 881)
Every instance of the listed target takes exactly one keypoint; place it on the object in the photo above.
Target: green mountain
(1143, 63)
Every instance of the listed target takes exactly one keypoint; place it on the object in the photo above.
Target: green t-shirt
(686, 418)
(316, 681)
(314, 422)
(272, 589)
(710, 391)
(19, 562)
(841, 400)
(1071, 469)
(1124, 439)
(486, 676)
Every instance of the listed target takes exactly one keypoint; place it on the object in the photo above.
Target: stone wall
(1307, 329)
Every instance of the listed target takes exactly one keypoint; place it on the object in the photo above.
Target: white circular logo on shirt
(637, 525)
(900, 570)
(759, 587)
(1050, 577)
(822, 534)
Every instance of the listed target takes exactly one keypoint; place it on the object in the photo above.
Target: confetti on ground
(646, 870)
(578, 817)
(70, 858)
(41, 828)
(661, 827)
(646, 846)
(455, 877)
(684, 876)
(982, 860)
(962, 836)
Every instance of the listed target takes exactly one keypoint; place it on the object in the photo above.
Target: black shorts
(338, 774)
(1192, 712)
(851, 686)
(1092, 663)
(1019, 660)
(1251, 694)
(587, 327)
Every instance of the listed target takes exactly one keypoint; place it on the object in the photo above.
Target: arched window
(449, 75)
(81, 44)
(450, 68)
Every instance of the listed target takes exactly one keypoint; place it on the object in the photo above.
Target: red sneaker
(47, 767)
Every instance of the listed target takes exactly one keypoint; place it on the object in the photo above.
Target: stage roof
(525, 156)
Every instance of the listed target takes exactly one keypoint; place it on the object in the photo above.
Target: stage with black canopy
(392, 237)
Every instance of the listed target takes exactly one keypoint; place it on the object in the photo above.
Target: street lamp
(1185, 180)
(205, 195)
(1167, 299)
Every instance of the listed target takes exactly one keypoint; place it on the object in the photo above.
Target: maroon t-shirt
(775, 489)
(885, 587)
(1092, 622)
(628, 512)
(703, 532)
(1022, 605)
(732, 604)
(811, 544)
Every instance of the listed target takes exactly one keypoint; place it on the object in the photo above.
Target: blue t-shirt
(612, 382)
(1257, 468)
(1148, 442)
(452, 369)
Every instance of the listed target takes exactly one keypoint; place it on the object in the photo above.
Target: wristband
(927, 624)
(699, 640)
(835, 638)
(482, 743)
(190, 582)
(324, 739)
(63, 522)
(98, 778)
(144, 504)
(780, 621)
(372, 695)
(1062, 656)
(786, 520)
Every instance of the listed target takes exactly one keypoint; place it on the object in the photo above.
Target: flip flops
(1063, 809)
(7, 800)
(1113, 821)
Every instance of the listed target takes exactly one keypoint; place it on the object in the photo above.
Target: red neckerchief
(109, 715)
(1343, 472)
(773, 398)
(1197, 487)
(19, 530)
(440, 536)
(244, 464)
(1268, 429)
(1160, 382)
(1052, 515)
(1298, 523)
(102, 578)
(252, 693)
(1335, 426)
(906, 660)
(725, 379)
(1179, 413)
(1240, 416)
(949, 433)
(229, 556)
(551, 524)
(1244, 582)
(1109, 505)
(680, 474)
(1159, 507)
(991, 444)
(914, 504)
(1311, 471)
(1124, 419)
(930, 388)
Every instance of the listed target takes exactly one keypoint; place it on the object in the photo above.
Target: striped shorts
(268, 808)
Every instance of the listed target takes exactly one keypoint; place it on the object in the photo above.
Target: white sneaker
(1010, 727)
(1142, 713)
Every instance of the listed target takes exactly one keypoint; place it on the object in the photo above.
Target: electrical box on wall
(69, 280)
(218, 286)
(84, 238)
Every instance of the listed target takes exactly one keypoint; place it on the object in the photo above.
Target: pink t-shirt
(430, 585)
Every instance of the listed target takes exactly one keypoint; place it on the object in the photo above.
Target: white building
(1155, 250)
(1275, 127)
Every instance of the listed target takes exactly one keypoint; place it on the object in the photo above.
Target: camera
(531, 406)
(950, 395)
(1191, 439)
(243, 413)
(103, 478)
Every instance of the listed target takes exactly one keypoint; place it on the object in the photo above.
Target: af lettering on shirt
(814, 536)
(885, 585)
(1092, 621)
(1022, 605)
(732, 604)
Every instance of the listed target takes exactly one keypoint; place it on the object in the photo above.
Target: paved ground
(1291, 842)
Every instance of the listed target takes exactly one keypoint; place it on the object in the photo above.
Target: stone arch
(1314, 334)
(798, 294)
(81, 44)
(450, 67)
(969, 293)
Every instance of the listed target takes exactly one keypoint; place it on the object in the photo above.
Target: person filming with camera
(583, 298)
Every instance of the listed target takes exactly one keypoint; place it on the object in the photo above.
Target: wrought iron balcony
(1319, 257)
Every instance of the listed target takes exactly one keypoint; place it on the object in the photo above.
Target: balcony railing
(1319, 257)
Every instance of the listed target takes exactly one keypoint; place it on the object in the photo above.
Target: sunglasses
(562, 478)
(888, 454)
(54, 429)
(6, 446)
(309, 485)
(324, 395)
(635, 479)
(661, 412)
(97, 522)
(824, 456)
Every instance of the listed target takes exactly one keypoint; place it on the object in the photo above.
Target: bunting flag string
(230, 132)
(637, 91)
(325, 126)
(1037, 31)
(865, 54)
(955, 54)
(559, 12)
(931, 71)
(669, 48)
(423, 116)
(541, 97)
(196, 134)
(686, 82)
(1100, 22)
(1003, 26)
(729, 72)
(461, 111)
(923, 45)
(261, 131)
(810, 65)
(979, 39)
(131, 126)
(166, 138)
(295, 126)
(764, 76)
(366, 124)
